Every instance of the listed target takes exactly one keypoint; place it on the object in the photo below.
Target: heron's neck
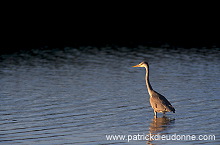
(149, 87)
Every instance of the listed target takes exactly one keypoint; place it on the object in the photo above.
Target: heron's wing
(161, 102)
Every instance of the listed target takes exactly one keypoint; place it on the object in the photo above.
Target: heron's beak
(136, 65)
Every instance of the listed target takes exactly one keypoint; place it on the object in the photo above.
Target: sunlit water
(78, 96)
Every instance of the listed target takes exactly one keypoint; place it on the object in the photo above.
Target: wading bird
(158, 102)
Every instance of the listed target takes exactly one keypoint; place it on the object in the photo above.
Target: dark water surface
(78, 96)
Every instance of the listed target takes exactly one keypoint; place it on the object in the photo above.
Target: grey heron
(157, 101)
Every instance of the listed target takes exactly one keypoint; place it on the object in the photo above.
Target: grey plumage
(158, 102)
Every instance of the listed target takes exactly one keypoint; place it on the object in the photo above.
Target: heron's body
(158, 102)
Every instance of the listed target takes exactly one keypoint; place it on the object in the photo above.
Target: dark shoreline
(27, 44)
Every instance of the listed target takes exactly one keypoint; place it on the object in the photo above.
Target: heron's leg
(155, 114)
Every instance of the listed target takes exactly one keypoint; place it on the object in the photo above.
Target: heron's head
(142, 64)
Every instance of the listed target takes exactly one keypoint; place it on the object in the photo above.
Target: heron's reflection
(158, 125)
